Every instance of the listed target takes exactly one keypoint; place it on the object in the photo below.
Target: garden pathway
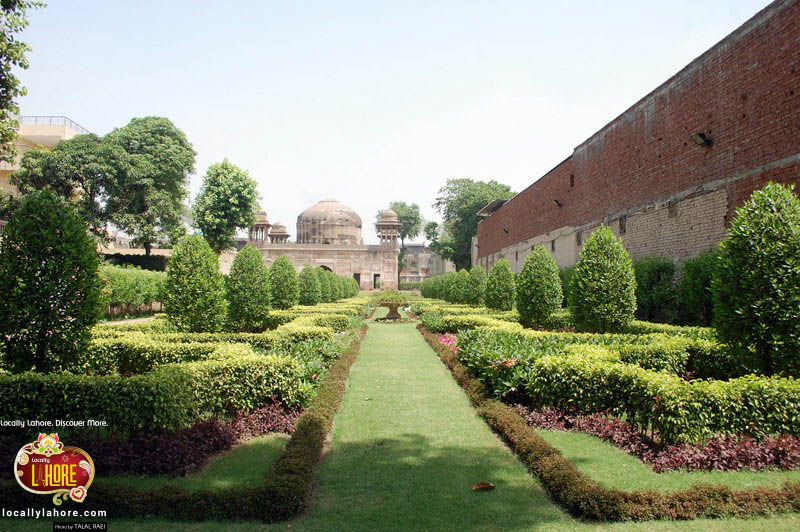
(407, 448)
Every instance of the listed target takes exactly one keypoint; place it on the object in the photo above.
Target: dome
(261, 218)
(329, 222)
(278, 228)
(388, 216)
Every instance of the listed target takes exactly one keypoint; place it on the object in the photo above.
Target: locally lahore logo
(46, 466)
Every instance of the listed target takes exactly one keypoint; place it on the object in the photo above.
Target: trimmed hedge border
(582, 496)
(285, 492)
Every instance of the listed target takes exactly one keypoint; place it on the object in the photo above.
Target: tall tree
(13, 19)
(81, 170)
(148, 206)
(458, 202)
(227, 201)
(410, 226)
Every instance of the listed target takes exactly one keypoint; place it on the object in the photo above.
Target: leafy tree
(477, 286)
(83, 170)
(195, 293)
(603, 287)
(431, 231)
(500, 286)
(49, 282)
(284, 283)
(148, 205)
(756, 285)
(459, 202)
(324, 285)
(13, 19)
(309, 286)
(227, 201)
(247, 290)
(538, 287)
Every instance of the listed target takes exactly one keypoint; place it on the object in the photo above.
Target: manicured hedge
(168, 397)
(583, 496)
(130, 290)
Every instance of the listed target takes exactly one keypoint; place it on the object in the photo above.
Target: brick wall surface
(744, 93)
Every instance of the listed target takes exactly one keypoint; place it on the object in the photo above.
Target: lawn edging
(583, 496)
(284, 493)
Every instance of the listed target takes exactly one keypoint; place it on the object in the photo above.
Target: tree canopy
(227, 201)
(458, 202)
(149, 206)
(13, 19)
(84, 170)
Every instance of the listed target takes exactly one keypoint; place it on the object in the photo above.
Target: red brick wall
(744, 93)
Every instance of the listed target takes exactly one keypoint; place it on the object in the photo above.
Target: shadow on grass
(412, 482)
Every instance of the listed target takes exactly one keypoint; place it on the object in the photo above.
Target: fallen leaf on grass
(483, 486)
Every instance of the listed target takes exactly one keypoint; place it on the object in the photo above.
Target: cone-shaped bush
(283, 283)
(247, 289)
(324, 285)
(756, 285)
(500, 286)
(309, 286)
(195, 293)
(49, 285)
(461, 286)
(603, 288)
(538, 287)
(477, 286)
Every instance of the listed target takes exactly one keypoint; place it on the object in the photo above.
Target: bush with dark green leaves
(566, 283)
(477, 286)
(461, 286)
(248, 292)
(757, 281)
(324, 285)
(130, 290)
(49, 285)
(538, 288)
(195, 293)
(695, 300)
(603, 293)
(656, 294)
(283, 283)
(500, 286)
(309, 286)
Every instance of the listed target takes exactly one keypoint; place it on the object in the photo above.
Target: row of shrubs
(199, 299)
(586, 497)
(755, 284)
(129, 290)
(410, 285)
(665, 291)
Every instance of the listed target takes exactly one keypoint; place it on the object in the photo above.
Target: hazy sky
(366, 102)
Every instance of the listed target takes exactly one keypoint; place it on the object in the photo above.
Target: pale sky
(366, 102)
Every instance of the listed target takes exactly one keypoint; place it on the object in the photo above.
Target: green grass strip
(407, 448)
(614, 468)
(244, 465)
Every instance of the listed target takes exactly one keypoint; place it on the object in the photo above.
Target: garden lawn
(614, 468)
(244, 465)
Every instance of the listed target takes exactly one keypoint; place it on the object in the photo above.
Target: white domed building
(329, 236)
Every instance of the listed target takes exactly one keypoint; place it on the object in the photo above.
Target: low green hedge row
(233, 379)
(680, 411)
(583, 496)
(597, 372)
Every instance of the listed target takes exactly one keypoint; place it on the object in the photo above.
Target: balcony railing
(53, 121)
